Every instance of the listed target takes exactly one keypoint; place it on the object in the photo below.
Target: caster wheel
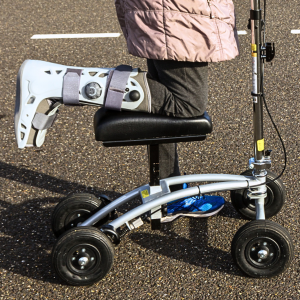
(75, 209)
(273, 202)
(82, 256)
(262, 248)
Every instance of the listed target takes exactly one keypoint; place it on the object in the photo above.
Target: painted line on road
(75, 36)
(106, 35)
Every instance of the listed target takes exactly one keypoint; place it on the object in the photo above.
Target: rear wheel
(82, 256)
(75, 209)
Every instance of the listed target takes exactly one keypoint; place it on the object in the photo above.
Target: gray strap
(117, 81)
(42, 121)
(71, 86)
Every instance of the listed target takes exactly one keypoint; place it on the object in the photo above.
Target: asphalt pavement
(189, 258)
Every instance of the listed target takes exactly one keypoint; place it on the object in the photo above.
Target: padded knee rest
(127, 126)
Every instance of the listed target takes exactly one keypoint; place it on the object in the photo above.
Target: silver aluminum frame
(162, 194)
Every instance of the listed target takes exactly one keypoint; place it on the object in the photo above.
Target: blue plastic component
(204, 203)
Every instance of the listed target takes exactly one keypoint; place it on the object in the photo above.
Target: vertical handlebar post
(256, 31)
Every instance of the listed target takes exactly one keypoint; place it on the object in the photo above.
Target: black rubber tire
(82, 243)
(75, 209)
(273, 203)
(262, 235)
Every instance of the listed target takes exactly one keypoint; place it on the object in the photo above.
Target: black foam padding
(130, 125)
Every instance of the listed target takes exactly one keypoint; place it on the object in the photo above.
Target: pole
(256, 29)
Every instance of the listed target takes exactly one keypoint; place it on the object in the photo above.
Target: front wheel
(262, 248)
(273, 202)
(82, 256)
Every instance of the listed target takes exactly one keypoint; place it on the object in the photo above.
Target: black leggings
(178, 89)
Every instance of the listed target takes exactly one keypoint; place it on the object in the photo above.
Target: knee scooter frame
(261, 248)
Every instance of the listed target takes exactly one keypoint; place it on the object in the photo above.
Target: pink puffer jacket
(183, 30)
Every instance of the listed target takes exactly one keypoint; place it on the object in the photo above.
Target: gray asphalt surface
(188, 259)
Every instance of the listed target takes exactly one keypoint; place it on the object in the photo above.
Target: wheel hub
(262, 252)
(83, 258)
(83, 261)
(75, 217)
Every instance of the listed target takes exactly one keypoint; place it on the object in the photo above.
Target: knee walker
(87, 226)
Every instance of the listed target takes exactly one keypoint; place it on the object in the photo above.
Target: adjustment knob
(93, 90)
(134, 95)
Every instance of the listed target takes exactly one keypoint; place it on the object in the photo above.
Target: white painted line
(74, 36)
(242, 32)
(295, 31)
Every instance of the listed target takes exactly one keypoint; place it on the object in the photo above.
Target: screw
(259, 260)
(271, 254)
(83, 250)
(265, 244)
(82, 267)
(73, 258)
(92, 258)
(78, 215)
(253, 249)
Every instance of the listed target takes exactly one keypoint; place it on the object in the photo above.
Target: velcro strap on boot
(71, 86)
(42, 121)
(116, 84)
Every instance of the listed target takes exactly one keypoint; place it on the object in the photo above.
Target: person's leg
(168, 158)
(177, 89)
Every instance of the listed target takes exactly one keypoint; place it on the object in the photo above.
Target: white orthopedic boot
(42, 87)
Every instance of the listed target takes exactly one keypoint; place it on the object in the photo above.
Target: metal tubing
(170, 181)
(256, 79)
(205, 177)
(225, 186)
(189, 192)
(139, 210)
(260, 208)
(110, 207)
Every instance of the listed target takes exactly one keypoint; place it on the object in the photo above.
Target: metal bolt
(259, 260)
(92, 258)
(83, 250)
(253, 249)
(73, 258)
(262, 254)
(82, 267)
(265, 243)
(271, 254)
(78, 215)
(83, 261)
